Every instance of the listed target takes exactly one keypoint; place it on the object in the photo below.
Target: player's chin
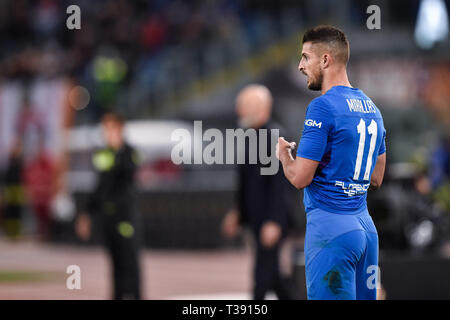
(314, 86)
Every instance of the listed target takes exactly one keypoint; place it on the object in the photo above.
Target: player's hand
(230, 224)
(284, 148)
(83, 226)
(270, 234)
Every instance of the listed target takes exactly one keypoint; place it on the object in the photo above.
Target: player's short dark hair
(331, 36)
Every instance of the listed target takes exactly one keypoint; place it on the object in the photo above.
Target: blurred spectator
(13, 193)
(30, 126)
(40, 174)
(440, 173)
(440, 163)
(114, 203)
(153, 33)
(262, 204)
(436, 91)
(426, 224)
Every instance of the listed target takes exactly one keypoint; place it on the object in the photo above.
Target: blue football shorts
(341, 256)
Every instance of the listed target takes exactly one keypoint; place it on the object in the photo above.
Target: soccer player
(341, 155)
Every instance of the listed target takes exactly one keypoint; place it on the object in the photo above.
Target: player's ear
(325, 61)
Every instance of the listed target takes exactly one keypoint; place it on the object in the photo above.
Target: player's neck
(335, 78)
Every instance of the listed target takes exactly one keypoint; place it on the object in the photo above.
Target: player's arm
(378, 172)
(299, 171)
(312, 146)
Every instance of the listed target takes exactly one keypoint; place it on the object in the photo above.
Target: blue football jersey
(344, 131)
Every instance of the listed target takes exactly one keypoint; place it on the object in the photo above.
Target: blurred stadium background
(164, 64)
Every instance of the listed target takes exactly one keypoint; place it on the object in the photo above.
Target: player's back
(353, 129)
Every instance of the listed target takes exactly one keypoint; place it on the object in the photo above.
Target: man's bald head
(254, 105)
(329, 39)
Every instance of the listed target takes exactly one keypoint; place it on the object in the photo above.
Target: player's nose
(301, 68)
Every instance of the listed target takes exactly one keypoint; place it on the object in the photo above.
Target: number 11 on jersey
(372, 129)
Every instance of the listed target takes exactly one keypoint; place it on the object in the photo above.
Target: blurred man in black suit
(262, 204)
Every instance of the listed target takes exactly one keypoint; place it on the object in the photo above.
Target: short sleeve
(383, 144)
(318, 124)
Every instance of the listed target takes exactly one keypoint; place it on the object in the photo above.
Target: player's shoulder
(373, 105)
(320, 102)
(321, 107)
(351, 98)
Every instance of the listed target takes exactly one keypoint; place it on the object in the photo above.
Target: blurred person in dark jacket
(262, 204)
(13, 193)
(114, 203)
